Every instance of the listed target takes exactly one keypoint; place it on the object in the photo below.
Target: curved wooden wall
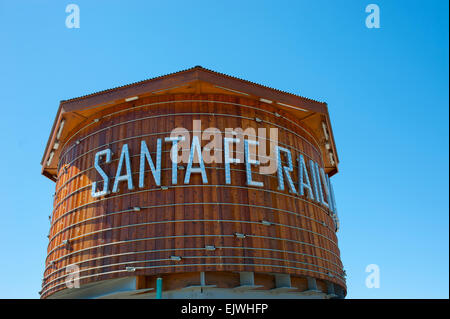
(106, 235)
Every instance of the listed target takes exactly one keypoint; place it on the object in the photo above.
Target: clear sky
(387, 91)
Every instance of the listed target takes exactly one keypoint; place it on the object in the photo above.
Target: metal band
(186, 221)
(184, 204)
(184, 249)
(180, 186)
(198, 236)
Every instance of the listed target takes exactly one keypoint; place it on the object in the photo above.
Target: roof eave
(168, 81)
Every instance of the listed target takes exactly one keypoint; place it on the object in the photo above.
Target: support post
(159, 288)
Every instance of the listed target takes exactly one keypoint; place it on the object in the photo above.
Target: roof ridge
(181, 71)
(261, 85)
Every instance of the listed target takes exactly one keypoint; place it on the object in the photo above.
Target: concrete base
(125, 288)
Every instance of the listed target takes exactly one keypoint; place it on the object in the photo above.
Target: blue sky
(387, 91)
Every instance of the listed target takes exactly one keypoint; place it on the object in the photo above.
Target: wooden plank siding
(200, 214)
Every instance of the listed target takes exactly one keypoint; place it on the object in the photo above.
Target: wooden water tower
(228, 230)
